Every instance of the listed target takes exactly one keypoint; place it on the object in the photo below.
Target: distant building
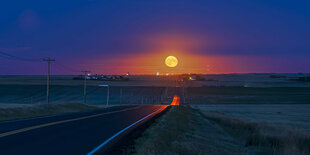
(103, 77)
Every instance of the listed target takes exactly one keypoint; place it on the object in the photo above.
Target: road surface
(79, 133)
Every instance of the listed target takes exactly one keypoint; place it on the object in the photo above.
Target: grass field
(281, 139)
(21, 112)
(230, 89)
(154, 95)
(248, 95)
(184, 130)
(294, 115)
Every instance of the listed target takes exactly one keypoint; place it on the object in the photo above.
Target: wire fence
(31, 94)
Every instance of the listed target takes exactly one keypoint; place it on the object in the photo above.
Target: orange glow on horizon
(153, 62)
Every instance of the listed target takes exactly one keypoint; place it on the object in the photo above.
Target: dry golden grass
(281, 139)
(185, 131)
(42, 110)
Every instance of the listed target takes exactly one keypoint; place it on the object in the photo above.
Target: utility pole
(184, 95)
(121, 96)
(183, 91)
(108, 95)
(85, 73)
(48, 78)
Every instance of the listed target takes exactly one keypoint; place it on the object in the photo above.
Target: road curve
(79, 133)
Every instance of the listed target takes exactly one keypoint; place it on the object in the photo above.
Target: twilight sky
(119, 36)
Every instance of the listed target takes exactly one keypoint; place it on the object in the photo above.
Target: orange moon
(171, 61)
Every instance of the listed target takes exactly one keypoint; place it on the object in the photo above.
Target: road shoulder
(183, 130)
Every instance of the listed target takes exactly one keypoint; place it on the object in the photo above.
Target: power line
(13, 57)
(64, 67)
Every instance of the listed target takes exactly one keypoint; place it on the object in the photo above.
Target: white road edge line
(111, 138)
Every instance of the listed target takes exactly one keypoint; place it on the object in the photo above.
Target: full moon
(171, 61)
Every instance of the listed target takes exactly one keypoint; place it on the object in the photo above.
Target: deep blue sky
(79, 32)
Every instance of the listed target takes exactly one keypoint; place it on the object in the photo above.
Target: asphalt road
(79, 133)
